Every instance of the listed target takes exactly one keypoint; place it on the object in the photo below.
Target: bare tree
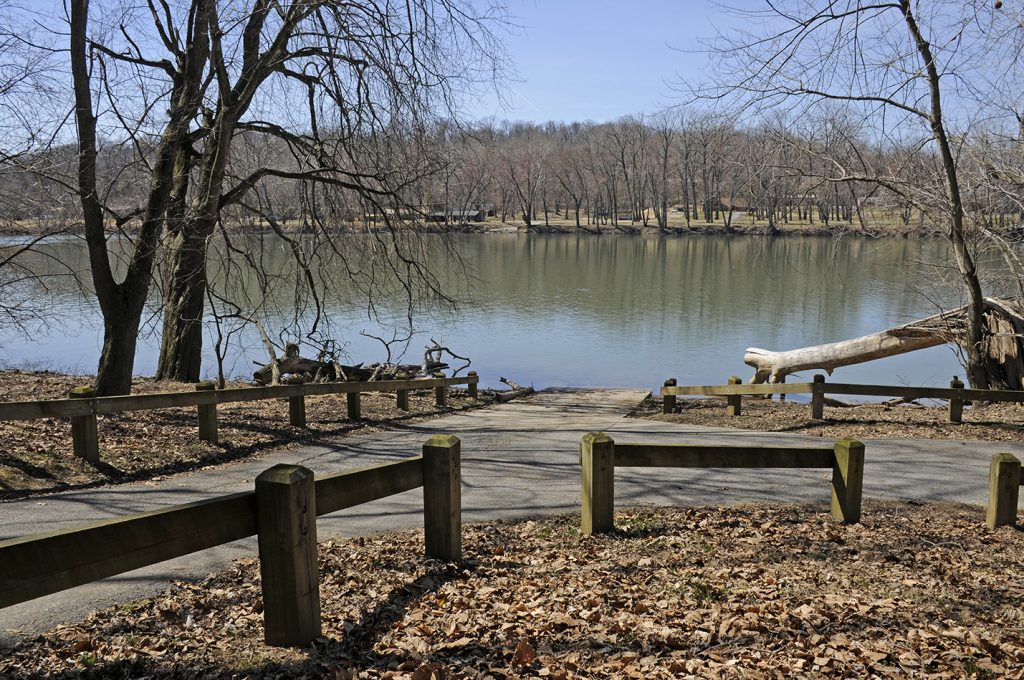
(893, 63)
(166, 91)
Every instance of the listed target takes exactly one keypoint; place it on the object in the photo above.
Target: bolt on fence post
(734, 402)
(818, 397)
(286, 521)
(472, 385)
(668, 401)
(1003, 490)
(847, 480)
(207, 414)
(85, 437)
(442, 497)
(355, 405)
(956, 404)
(597, 458)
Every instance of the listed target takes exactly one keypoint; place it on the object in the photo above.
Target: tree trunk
(1002, 346)
(181, 345)
(120, 337)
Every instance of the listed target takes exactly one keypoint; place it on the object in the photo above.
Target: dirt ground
(993, 422)
(36, 455)
(752, 591)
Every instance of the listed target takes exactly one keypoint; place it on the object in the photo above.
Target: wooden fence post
(442, 497)
(355, 405)
(207, 414)
(597, 458)
(1003, 490)
(440, 395)
(85, 437)
(286, 520)
(472, 386)
(734, 402)
(956, 406)
(402, 400)
(668, 401)
(818, 397)
(297, 411)
(847, 480)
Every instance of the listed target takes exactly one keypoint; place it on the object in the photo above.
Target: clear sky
(599, 60)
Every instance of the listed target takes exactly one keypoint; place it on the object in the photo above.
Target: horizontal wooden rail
(924, 392)
(726, 390)
(349, 489)
(848, 388)
(280, 511)
(41, 564)
(67, 408)
(956, 394)
(689, 456)
(600, 455)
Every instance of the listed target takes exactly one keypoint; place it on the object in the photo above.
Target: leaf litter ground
(759, 591)
(37, 455)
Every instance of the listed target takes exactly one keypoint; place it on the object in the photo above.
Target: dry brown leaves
(994, 422)
(36, 455)
(752, 591)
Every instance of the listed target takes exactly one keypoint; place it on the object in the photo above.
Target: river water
(566, 310)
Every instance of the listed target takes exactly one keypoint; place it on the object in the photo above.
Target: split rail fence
(83, 406)
(281, 511)
(735, 390)
(600, 455)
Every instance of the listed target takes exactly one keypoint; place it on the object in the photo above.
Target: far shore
(739, 227)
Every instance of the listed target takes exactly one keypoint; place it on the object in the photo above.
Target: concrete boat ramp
(519, 460)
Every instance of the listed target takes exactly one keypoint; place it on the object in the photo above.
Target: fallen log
(516, 391)
(1004, 343)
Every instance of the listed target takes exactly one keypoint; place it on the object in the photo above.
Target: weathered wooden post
(440, 393)
(442, 497)
(297, 411)
(402, 401)
(668, 401)
(472, 385)
(597, 458)
(1003, 490)
(286, 520)
(85, 437)
(734, 402)
(956, 404)
(818, 397)
(207, 414)
(355, 405)
(847, 480)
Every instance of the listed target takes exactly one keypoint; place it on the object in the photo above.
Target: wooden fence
(84, 406)
(735, 390)
(1004, 481)
(600, 455)
(282, 511)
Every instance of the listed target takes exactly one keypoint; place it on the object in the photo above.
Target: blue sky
(599, 60)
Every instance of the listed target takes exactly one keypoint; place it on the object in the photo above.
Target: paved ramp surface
(520, 459)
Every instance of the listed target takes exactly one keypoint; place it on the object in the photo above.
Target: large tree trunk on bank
(181, 344)
(120, 337)
(1002, 346)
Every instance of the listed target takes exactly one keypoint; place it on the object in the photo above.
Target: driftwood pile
(293, 368)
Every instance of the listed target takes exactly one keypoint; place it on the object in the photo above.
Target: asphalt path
(518, 460)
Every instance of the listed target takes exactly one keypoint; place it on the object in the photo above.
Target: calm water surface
(563, 310)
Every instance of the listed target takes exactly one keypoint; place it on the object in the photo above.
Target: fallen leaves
(752, 591)
(148, 445)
